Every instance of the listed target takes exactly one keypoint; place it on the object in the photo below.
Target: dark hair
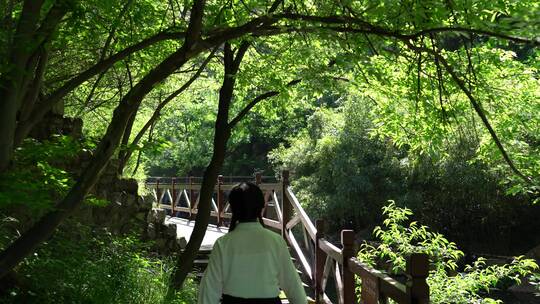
(247, 201)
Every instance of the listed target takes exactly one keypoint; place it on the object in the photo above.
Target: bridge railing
(319, 259)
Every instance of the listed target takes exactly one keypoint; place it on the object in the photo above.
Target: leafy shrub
(341, 173)
(398, 240)
(79, 265)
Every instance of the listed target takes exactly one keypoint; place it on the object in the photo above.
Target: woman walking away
(249, 264)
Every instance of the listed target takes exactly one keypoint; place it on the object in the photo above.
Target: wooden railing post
(158, 196)
(348, 251)
(320, 259)
(258, 178)
(219, 199)
(258, 181)
(173, 196)
(191, 200)
(417, 272)
(286, 206)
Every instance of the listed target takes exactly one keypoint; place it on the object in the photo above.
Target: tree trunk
(221, 136)
(122, 160)
(11, 80)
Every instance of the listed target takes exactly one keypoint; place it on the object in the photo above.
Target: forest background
(433, 104)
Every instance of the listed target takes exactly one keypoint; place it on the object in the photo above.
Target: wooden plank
(278, 208)
(370, 288)
(185, 209)
(195, 211)
(178, 198)
(186, 196)
(339, 283)
(326, 299)
(168, 192)
(161, 197)
(331, 250)
(303, 215)
(227, 187)
(269, 186)
(306, 242)
(271, 223)
(295, 220)
(300, 255)
(328, 265)
(154, 194)
(214, 205)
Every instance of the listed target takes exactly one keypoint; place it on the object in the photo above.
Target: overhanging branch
(476, 105)
(255, 101)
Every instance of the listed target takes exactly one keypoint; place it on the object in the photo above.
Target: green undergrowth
(398, 237)
(79, 265)
(39, 177)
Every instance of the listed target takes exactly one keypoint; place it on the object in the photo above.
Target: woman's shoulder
(275, 237)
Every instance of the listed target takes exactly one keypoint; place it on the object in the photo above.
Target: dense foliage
(345, 171)
(398, 238)
(84, 265)
(41, 175)
(38, 181)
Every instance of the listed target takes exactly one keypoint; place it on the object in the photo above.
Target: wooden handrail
(303, 215)
(331, 250)
(323, 259)
(392, 288)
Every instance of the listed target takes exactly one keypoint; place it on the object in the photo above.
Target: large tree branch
(216, 37)
(162, 104)
(104, 52)
(24, 126)
(255, 101)
(378, 30)
(34, 89)
(195, 23)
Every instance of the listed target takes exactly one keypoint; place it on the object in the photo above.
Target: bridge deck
(184, 228)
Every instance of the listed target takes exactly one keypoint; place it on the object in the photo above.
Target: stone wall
(163, 233)
(126, 211)
(57, 124)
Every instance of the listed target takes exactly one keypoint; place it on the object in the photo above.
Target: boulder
(151, 231)
(156, 215)
(170, 230)
(181, 242)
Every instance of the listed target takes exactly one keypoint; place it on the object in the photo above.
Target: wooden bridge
(319, 261)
